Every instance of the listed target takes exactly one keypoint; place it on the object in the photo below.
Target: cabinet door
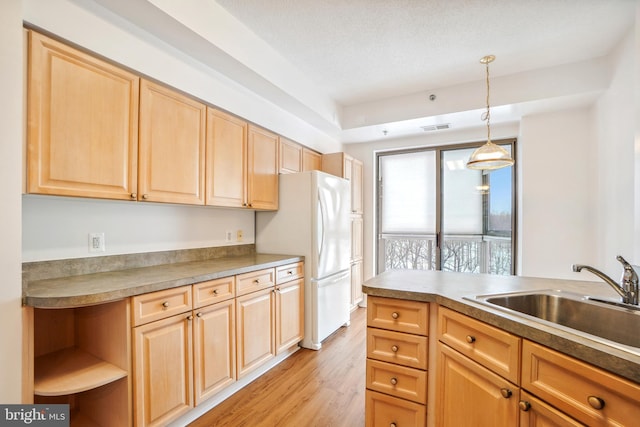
(262, 169)
(290, 156)
(254, 330)
(163, 370)
(356, 237)
(172, 146)
(356, 186)
(82, 124)
(467, 391)
(356, 283)
(536, 413)
(289, 314)
(226, 159)
(214, 346)
(311, 160)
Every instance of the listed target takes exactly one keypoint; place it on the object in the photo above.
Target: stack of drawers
(397, 346)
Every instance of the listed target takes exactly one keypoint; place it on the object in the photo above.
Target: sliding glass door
(435, 214)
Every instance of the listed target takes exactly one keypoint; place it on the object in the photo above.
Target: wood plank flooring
(323, 388)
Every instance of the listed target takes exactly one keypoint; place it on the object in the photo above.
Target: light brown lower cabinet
(468, 391)
(163, 370)
(535, 413)
(386, 411)
(254, 330)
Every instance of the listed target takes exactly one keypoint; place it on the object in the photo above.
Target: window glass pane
(408, 193)
(461, 194)
(499, 221)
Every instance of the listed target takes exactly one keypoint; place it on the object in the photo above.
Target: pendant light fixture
(490, 156)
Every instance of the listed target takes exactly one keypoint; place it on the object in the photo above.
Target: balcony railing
(461, 253)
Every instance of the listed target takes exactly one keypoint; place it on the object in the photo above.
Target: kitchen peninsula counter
(89, 281)
(457, 290)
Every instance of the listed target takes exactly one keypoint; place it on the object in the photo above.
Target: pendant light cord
(487, 115)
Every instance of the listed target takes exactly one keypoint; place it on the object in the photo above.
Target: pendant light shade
(490, 156)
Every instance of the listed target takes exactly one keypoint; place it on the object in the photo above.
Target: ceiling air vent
(431, 128)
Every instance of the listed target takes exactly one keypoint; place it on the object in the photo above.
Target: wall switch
(228, 235)
(96, 242)
(239, 236)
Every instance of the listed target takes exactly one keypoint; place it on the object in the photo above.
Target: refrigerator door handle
(320, 226)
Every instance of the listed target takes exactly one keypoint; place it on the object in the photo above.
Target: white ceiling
(366, 50)
(357, 68)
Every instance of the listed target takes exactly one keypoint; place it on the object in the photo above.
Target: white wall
(556, 193)
(11, 120)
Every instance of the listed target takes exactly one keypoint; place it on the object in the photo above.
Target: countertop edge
(105, 287)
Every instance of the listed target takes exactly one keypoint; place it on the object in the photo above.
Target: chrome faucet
(628, 289)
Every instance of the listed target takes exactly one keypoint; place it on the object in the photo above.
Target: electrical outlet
(228, 235)
(96, 242)
(239, 236)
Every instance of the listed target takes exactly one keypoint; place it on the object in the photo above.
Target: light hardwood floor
(322, 388)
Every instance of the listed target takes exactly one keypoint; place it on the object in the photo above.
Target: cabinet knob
(289, 272)
(215, 292)
(145, 196)
(393, 425)
(470, 339)
(133, 196)
(395, 315)
(393, 381)
(190, 317)
(596, 402)
(165, 304)
(394, 348)
(506, 393)
(256, 281)
(199, 314)
(524, 405)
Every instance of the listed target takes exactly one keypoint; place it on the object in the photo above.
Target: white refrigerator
(313, 221)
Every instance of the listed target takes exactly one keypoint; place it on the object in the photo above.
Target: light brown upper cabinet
(82, 123)
(172, 146)
(290, 156)
(242, 163)
(311, 160)
(345, 166)
(226, 159)
(262, 169)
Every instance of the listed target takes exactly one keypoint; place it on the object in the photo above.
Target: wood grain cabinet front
(397, 361)
(82, 136)
(589, 394)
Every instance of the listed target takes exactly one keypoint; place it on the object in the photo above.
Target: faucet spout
(628, 290)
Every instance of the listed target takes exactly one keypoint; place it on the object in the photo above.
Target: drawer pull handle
(395, 315)
(256, 281)
(215, 292)
(470, 339)
(165, 304)
(393, 425)
(506, 393)
(289, 272)
(524, 405)
(596, 402)
(394, 381)
(394, 348)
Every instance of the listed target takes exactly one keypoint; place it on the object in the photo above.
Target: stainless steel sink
(611, 321)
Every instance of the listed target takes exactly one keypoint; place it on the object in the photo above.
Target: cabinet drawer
(399, 381)
(383, 411)
(161, 304)
(289, 272)
(397, 347)
(489, 346)
(578, 388)
(398, 315)
(254, 281)
(213, 291)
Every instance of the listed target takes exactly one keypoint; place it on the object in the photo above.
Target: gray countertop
(96, 288)
(456, 291)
